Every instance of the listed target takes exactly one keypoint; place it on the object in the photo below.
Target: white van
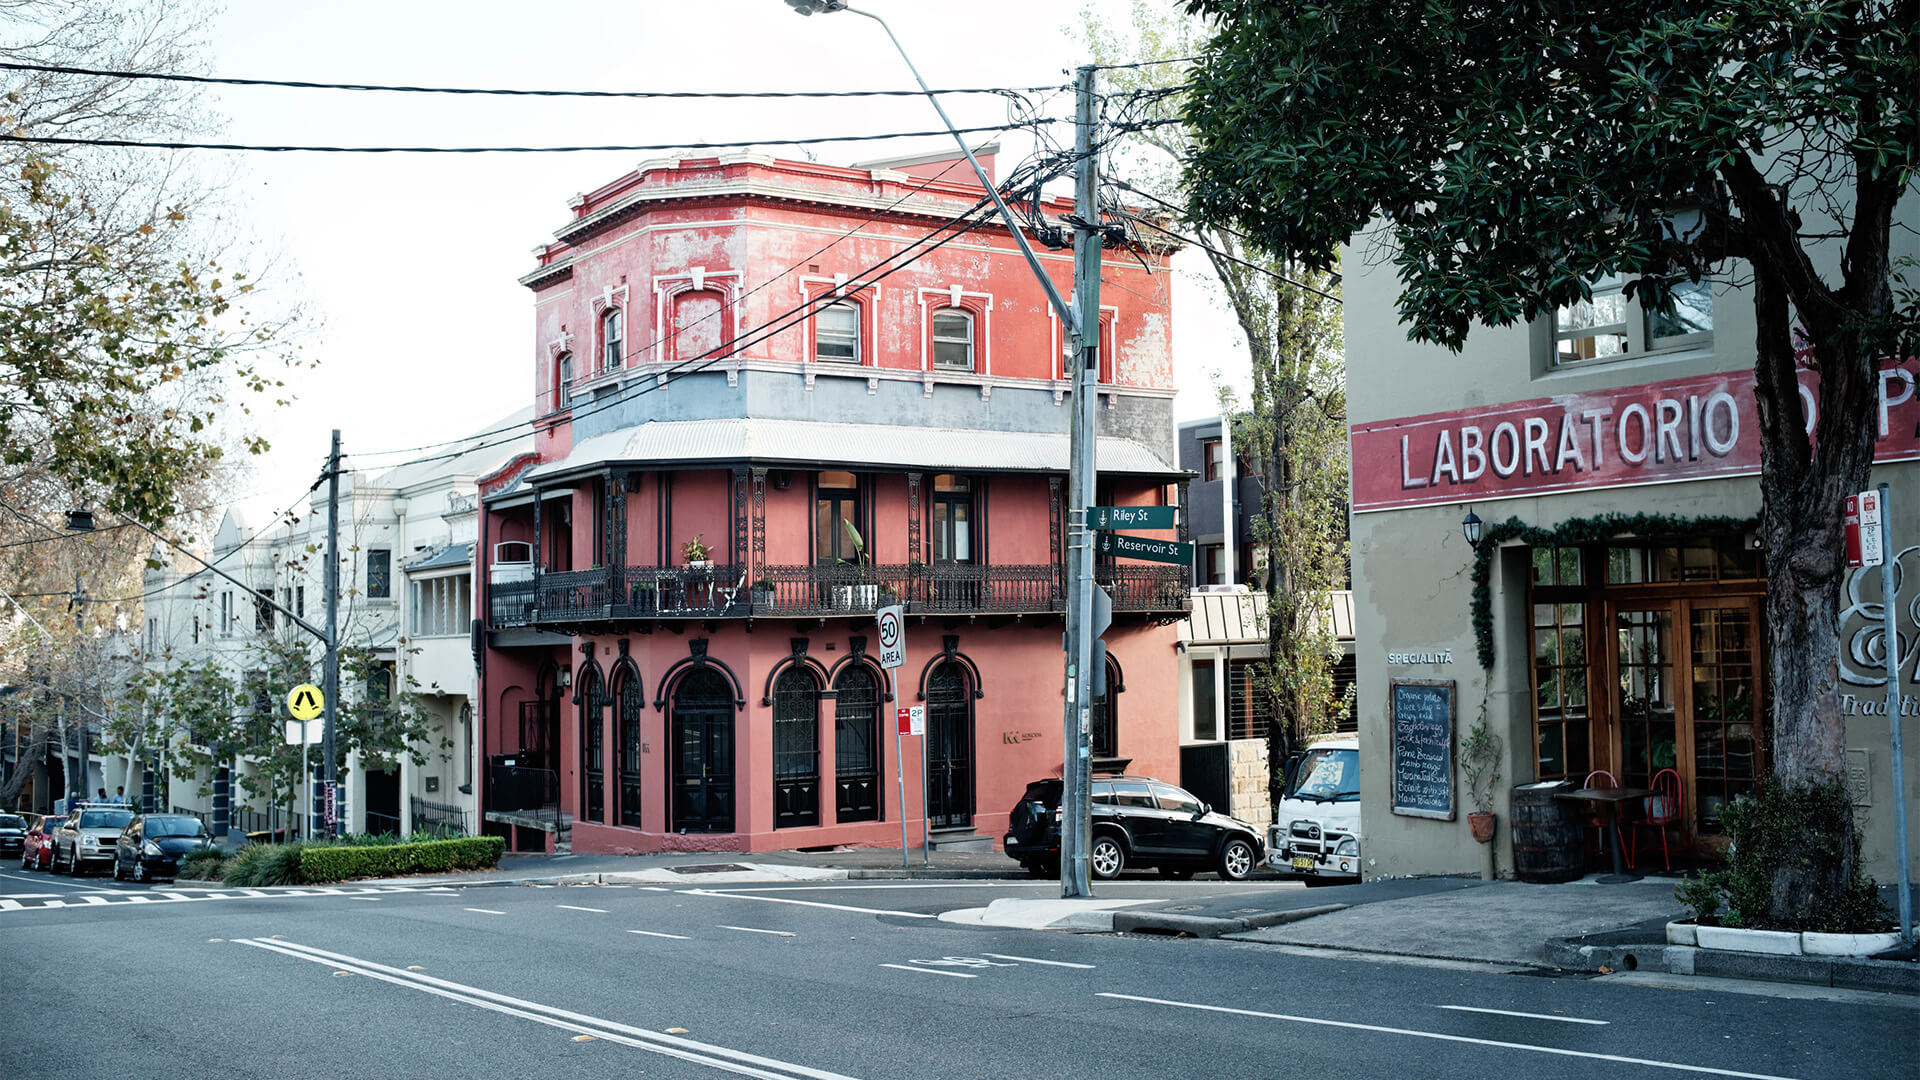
(1316, 826)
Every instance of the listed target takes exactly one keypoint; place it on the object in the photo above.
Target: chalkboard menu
(1420, 712)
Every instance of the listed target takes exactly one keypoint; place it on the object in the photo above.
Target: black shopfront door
(949, 747)
(703, 754)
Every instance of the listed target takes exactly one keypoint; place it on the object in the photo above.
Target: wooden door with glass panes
(1684, 691)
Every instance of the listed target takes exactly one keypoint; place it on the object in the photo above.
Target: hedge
(391, 860)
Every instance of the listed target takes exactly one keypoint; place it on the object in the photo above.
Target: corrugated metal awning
(449, 556)
(1239, 618)
(809, 443)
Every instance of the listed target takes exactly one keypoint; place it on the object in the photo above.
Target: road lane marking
(486, 911)
(9, 905)
(805, 903)
(931, 971)
(365, 899)
(719, 1057)
(656, 933)
(30, 895)
(45, 883)
(595, 910)
(895, 885)
(1554, 1050)
(754, 930)
(122, 897)
(1526, 1015)
(1037, 960)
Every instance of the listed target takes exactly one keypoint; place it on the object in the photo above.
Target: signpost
(1876, 549)
(304, 703)
(893, 653)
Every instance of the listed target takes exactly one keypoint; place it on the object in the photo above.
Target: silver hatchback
(88, 836)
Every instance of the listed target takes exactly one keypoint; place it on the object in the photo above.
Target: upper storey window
(1613, 325)
(696, 325)
(836, 333)
(563, 381)
(613, 346)
(953, 340)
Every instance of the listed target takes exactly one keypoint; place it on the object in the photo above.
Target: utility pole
(331, 687)
(1082, 470)
(79, 628)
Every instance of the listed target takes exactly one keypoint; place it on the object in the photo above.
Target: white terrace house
(406, 582)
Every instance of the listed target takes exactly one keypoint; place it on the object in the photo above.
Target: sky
(406, 264)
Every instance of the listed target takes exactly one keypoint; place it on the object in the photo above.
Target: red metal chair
(1600, 819)
(1663, 812)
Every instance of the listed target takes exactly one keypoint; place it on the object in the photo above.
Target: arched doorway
(627, 703)
(796, 749)
(1103, 735)
(856, 744)
(949, 746)
(702, 724)
(540, 740)
(593, 766)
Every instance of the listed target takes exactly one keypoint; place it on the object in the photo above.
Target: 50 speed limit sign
(893, 636)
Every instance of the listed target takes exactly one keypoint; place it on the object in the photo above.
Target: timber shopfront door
(949, 747)
(702, 720)
(1674, 678)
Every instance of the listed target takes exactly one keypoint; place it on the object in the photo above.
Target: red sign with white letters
(1681, 429)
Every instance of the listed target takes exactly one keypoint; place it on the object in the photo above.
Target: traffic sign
(1870, 548)
(306, 701)
(912, 719)
(893, 636)
(329, 802)
(1131, 517)
(1134, 547)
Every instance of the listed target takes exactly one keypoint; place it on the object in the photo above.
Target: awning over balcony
(811, 443)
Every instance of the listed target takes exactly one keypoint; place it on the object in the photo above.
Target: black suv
(1137, 821)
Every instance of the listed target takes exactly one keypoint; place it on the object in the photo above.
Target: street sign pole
(900, 770)
(1890, 645)
(891, 622)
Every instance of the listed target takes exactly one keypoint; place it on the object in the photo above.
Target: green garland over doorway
(1570, 533)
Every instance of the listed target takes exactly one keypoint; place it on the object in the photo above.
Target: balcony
(609, 595)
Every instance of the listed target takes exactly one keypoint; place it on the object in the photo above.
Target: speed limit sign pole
(893, 653)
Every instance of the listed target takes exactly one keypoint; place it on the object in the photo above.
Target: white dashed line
(1525, 1015)
(754, 930)
(595, 910)
(486, 911)
(931, 971)
(656, 933)
(1036, 960)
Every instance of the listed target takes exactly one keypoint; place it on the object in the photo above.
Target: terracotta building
(772, 397)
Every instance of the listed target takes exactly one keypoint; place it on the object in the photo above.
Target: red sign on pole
(912, 719)
(1852, 521)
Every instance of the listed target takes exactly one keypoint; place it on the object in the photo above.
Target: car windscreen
(12, 821)
(105, 819)
(1327, 775)
(156, 827)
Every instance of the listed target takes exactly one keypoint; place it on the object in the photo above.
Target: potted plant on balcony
(865, 594)
(696, 552)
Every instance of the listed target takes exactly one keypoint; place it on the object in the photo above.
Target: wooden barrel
(1547, 845)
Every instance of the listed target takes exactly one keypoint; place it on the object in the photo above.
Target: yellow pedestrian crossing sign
(305, 702)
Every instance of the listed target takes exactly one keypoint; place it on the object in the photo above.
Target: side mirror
(1204, 810)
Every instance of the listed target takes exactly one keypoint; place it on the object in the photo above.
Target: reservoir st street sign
(1134, 547)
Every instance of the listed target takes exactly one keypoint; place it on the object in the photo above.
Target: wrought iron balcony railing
(724, 591)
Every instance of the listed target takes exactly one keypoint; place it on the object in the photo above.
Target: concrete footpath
(1579, 926)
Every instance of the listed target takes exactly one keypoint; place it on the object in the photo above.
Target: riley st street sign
(1132, 517)
(1134, 547)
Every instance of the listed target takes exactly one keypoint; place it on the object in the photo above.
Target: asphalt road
(857, 979)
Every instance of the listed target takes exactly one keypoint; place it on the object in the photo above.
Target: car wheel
(1108, 858)
(116, 868)
(139, 872)
(1177, 873)
(1236, 860)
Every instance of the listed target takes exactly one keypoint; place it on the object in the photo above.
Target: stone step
(960, 840)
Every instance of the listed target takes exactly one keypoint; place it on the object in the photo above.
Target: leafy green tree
(1517, 154)
(1293, 432)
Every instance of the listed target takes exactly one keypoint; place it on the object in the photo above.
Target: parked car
(152, 845)
(13, 834)
(88, 836)
(1137, 821)
(1316, 824)
(37, 852)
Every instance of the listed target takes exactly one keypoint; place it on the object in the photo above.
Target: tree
(1294, 432)
(1519, 153)
(125, 335)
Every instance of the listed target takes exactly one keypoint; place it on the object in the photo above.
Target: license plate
(1302, 862)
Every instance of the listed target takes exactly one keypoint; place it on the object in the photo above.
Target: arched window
(856, 744)
(953, 339)
(698, 322)
(613, 345)
(836, 333)
(1104, 721)
(592, 746)
(796, 749)
(628, 701)
(563, 381)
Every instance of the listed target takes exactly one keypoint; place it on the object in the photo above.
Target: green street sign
(1131, 517)
(1135, 547)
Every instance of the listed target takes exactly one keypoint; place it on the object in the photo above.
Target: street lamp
(1470, 528)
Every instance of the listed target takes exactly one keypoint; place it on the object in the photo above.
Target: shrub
(337, 863)
(244, 868)
(1704, 894)
(1781, 827)
(208, 865)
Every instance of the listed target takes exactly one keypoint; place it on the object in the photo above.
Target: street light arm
(1060, 306)
(258, 598)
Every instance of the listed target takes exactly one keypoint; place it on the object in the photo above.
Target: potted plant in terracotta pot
(1480, 761)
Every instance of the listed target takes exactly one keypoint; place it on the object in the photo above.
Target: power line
(1202, 245)
(61, 140)
(1149, 63)
(298, 84)
(1182, 211)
